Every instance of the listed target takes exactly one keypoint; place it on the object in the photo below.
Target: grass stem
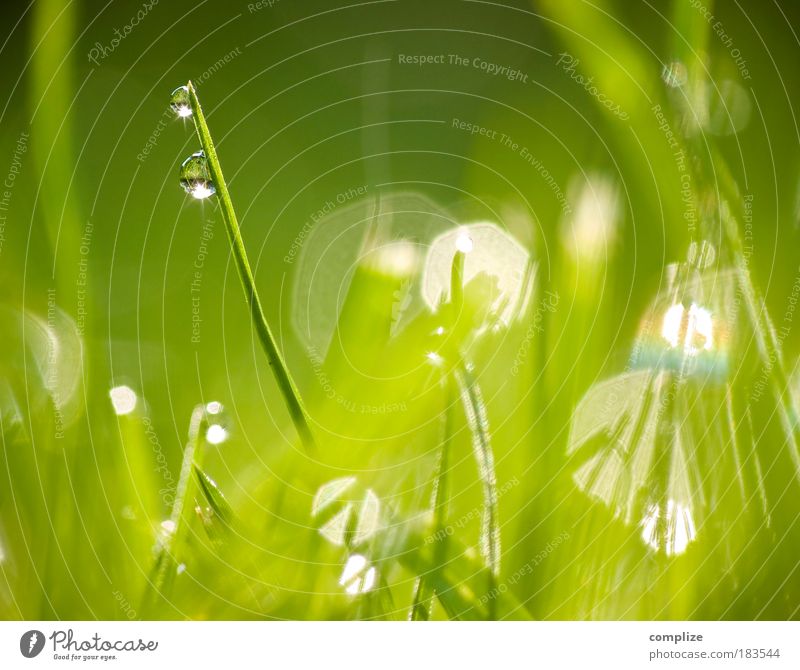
(282, 376)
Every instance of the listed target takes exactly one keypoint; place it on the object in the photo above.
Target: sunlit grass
(453, 400)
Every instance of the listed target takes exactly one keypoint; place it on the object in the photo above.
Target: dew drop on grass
(195, 177)
(123, 399)
(495, 270)
(180, 103)
(214, 407)
(216, 434)
(464, 243)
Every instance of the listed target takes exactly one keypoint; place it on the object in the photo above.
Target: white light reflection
(123, 399)
(357, 577)
(464, 243)
(201, 191)
(216, 434)
(673, 532)
(434, 358)
(588, 234)
(491, 254)
(696, 330)
(214, 407)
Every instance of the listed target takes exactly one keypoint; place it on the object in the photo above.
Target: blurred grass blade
(423, 588)
(478, 423)
(52, 95)
(173, 534)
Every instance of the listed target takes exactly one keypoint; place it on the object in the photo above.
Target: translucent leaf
(335, 529)
(349, 232)
(368, 518)
(354, 520)
(493, 257)
(330, 492)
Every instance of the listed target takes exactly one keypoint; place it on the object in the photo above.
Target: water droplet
(123, 399)
(195, 178)
(674, 74)
(180, 102)
(214, 407)
(464, 243)
(168, 526)
(216, 434)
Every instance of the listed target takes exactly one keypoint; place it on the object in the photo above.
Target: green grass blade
(287, 386)
(215, 498)
(423, 588)
(478, 423)
(169, 547)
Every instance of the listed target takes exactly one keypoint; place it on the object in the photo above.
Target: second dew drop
(195, 178)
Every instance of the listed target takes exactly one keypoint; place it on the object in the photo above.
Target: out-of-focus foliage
(605, 427)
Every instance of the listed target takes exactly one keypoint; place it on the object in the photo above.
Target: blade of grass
(478, 422)
(158, 584)
(215, 498)
(423, 589)
(287, 386)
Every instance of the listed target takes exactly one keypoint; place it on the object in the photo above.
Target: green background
(312, 102)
